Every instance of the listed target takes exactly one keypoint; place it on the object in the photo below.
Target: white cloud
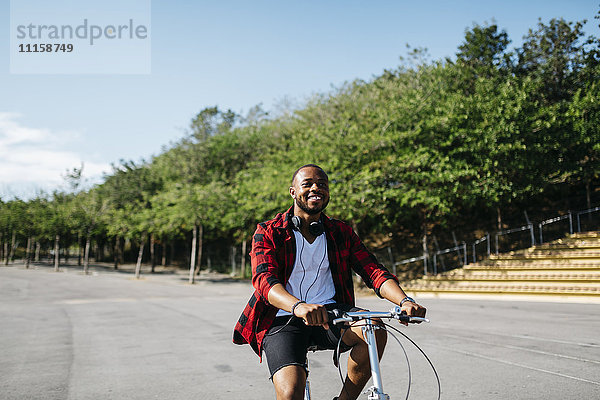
(34, 159)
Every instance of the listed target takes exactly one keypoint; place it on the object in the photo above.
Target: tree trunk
(79, 249)
(5, 252)
(56, 252)
(499, 220)
(117, 252)
(38, 248)
(233, 266)
(193, 255)
(28, 251)
(244, 243)
(588, 197)
(86, 255)
(138, 264)
(199, 258)
(152, 254)
(13, 246)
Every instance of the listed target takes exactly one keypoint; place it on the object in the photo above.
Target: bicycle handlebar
(338, 317)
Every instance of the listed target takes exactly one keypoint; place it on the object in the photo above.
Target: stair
(567, 268)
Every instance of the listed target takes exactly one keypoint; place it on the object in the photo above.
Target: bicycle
(376, 392)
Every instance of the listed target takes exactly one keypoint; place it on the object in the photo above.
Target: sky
(136, 101)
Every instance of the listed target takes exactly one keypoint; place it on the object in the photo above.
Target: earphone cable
(318, 270)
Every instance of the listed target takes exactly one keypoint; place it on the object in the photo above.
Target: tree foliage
(411, 149)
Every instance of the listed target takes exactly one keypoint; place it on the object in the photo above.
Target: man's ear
(292, 192)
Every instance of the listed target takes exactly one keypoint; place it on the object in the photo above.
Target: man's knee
(380, 337)
(290, 382)
(288, 392)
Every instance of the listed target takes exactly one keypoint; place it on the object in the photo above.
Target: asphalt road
(66, 335)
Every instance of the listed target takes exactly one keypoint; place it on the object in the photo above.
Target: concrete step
(565, 267)
(574, 255)
(512, 289)
(585, 235)
(570, 244)
(503, 283)
(503, 277)
(533, 264)
(524, 274)
(528, 266)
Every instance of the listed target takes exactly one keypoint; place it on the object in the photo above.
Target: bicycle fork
(375, 392)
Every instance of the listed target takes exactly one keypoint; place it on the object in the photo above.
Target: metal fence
(504, 240)
(528, 227)
(461, 256)
(483, 239)
(442, 260)
(555, 220)
(584, 212)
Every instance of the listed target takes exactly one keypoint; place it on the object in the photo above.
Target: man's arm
(312, 314)
(385, 284)
(391, 291)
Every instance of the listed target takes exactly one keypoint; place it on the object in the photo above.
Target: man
(302, 263)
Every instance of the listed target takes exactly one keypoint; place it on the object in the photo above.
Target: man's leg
(290, 382)
(285, 348)
(359, 367)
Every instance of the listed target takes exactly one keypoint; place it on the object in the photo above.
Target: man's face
(310, 190)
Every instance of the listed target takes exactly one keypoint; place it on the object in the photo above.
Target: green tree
(484, 51)
(583, 151)
(553, 54)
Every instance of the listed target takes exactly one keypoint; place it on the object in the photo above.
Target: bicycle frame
(375, 392)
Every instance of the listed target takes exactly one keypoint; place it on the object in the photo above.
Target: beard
(311, 210)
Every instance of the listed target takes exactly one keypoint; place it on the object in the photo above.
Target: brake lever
(402, 316)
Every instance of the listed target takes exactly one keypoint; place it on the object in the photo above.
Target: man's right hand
(312, 314)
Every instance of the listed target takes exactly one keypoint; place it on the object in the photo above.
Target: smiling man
(302, 266)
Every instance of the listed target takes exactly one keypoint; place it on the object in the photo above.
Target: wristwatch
(404, 300)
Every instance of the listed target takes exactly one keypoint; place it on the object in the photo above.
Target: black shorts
(285, 345)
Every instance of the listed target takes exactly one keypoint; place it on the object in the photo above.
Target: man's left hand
(414, 310)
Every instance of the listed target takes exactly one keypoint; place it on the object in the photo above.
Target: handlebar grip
(408, 318)
(335, 314)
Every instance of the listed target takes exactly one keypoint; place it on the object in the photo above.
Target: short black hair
(306, 166)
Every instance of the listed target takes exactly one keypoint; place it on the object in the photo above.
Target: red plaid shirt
(273, 254)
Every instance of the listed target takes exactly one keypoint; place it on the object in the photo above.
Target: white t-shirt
(311, 279)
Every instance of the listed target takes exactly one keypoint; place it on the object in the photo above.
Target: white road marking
(529, 337)
(467, 353)
(506, 346)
